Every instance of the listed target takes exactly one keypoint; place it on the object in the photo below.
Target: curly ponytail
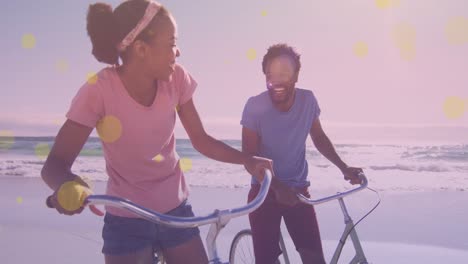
(107, 27)
(103, 32)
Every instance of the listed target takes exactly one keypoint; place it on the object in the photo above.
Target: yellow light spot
(185, 164)
(109, 129)
(456, 30)
(383, 4)
(61, 65)
(360, 49)
(59, 121)
(28, 41)
(395, 3)
(42, 150)
(404, 38)
(251, 54)
(454, 107)
(6, 139)
(403, 35)
(71, 195)
(158, 158)
(264, 13)
(386, 4)
(19, 200)
(92, 78)
(177, 108)
(408, 52)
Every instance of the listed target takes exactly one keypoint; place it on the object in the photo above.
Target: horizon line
(57, 122)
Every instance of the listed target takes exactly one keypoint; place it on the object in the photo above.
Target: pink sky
(379, 88)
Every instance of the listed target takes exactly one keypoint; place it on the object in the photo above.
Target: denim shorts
(124, 235)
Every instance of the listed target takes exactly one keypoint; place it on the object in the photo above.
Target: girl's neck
(138, 85)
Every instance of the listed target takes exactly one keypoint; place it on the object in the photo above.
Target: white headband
(150, 12)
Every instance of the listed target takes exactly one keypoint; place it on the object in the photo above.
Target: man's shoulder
(307, 94)
(259, 98)
(259, 101)
(304, 92)
(257, 105)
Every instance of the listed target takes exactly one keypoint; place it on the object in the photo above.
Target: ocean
(389, 167)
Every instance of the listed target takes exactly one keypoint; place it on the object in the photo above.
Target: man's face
(281, 78)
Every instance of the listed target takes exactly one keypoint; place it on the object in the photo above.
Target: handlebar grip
(310, 201)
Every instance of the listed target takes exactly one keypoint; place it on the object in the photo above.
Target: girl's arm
(57, 167)
(214, 148)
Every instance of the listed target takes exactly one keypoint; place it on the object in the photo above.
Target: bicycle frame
(349, 230)
(218, 219)
(359, 257)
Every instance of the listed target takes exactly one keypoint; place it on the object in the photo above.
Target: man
(276, 124)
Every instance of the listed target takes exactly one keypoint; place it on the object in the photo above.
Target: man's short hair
(277, 50)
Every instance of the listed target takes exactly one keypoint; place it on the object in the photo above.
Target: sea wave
(445, 163)
(416, 168)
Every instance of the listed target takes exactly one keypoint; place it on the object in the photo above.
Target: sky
(386, 62)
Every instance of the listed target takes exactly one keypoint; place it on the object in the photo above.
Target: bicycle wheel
(242, 248)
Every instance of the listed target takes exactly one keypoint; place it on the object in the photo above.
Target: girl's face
(158, 56)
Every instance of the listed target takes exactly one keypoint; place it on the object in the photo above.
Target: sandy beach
(421, 227)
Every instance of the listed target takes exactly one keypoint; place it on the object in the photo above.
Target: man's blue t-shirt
(283, 134)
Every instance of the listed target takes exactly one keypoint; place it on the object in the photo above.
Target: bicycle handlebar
(339, 195)
(184, 222)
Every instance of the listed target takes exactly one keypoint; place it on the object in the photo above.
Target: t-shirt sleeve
(87, 107)
(186, 85)
(315, 107)
(249, 117)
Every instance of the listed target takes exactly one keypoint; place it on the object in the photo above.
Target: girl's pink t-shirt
(138, 141)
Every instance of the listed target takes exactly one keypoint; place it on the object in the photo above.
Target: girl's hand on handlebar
(70, 198)
(256, 166)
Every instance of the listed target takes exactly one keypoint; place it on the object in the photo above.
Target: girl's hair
(106, 28)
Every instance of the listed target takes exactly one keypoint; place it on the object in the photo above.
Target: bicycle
(218, 219)
(237, 254)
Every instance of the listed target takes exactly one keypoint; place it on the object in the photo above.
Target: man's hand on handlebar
(353, 175)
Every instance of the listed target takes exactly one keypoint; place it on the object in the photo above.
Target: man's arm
(325, 147)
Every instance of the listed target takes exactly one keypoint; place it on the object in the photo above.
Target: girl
(133, 108)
